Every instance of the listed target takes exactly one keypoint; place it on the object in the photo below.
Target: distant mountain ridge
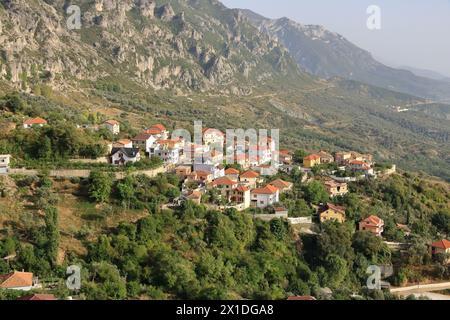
(327, 54)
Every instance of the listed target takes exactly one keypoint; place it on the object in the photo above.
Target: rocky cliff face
(178, 44)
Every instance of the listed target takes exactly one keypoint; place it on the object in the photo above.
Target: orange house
(311, 161)
(441, 247)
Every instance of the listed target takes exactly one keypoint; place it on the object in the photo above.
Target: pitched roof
(281, 184)
(312, 157)
(129, 152)
(250, 175)
(212, 131)
(38, 297)
(231, 171)
(123, 141)
(356, 162)
(159, 127)
(112, 122)
(203, 173)
(143, 136)
(169, 142)
(442, 244)
(373, 220)
(336, 208)
(242, 189)
(224, 181)
(16, 280)
(269, 189)
(35, 121)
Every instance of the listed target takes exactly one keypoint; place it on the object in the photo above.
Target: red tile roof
(112, 122)
(442, 244)
(312, 157)
(231, 171)
(269, 189)
(250, 175)
(16, 280)
(224, 181)
(38, 297)
(336, 208)
(35, 121)
(373, 220)
(142, 137)
(159, 127)
(281, 184)
(242, 189)
(213, 132)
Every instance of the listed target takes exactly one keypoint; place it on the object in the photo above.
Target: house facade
(122, 156)
(282, 185)
(144, 142)
(35, 122)
(241, 195)
(225, 186)
(336, 189)
(441, 247)
(264, 197)
(250, 178)
(311, 161)
(5, 160)
(113, 126)
(372, 224)
(332, 212)
(23, 281)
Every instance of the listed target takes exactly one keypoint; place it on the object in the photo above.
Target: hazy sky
(415, 33)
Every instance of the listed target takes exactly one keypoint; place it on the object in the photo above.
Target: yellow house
(332, 212)
(311, 161)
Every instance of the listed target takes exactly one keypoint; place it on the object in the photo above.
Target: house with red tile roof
(232, 173)
(335, 188)
(35, 122)
(159, 131)
(285, 157)
(311, 161)
(372, 224)
(331, 212)
(241, 196)
(123, 143)
(283, 186)
(113, 126)
(225, 185)
(213, 137)
(264, 197)
(441, 247)
(250, 178)
(195, 196)
(145, 142)
(18, 281)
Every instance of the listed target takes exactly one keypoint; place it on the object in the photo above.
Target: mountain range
(327, 54)
(175, 61)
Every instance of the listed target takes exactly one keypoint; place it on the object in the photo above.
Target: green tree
(316, 193)
(100, 186)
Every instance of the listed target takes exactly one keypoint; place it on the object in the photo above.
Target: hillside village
(262, 186)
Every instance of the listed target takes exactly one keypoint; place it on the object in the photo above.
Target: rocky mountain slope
(178, 44)
(328, 54)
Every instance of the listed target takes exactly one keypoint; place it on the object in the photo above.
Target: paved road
(425, 288)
